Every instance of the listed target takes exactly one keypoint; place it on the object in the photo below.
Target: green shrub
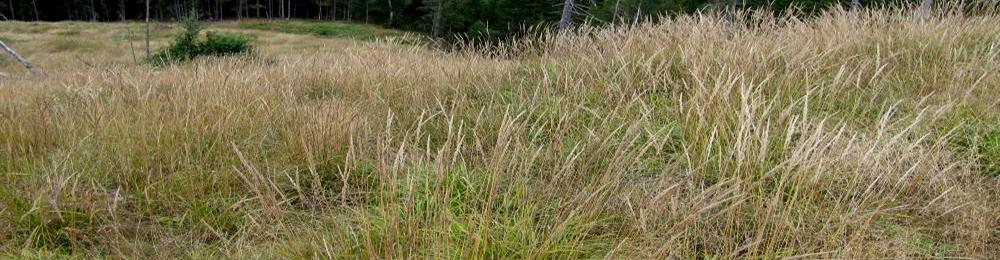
(220, 44)
(187, 46)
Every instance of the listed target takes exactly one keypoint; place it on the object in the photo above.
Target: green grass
(67, 31)
(322, 29)
(989, 152)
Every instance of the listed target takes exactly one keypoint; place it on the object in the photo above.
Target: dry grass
(843, 136)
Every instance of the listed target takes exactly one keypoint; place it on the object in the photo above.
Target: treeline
(474, 18)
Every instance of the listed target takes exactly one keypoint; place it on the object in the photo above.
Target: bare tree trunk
(178, 14)
(638, 14)
(617, 14)
(93, 11)
(20, 59)
(436, 25)
(729, 16)
(149, 55)
(392, 12)
(10, 4)
(121, 9)
(924, 11)
(566, 20)
(107, 13)
(239, 11)
(34, 5)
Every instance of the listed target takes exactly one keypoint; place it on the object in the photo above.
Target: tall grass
(847, 135)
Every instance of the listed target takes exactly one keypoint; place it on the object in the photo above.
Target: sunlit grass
(861, 135)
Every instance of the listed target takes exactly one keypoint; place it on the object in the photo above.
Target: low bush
(187, 46)
(220, 44)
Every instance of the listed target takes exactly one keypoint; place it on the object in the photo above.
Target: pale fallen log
(18, 57)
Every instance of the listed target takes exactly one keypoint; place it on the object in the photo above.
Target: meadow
(867, 134)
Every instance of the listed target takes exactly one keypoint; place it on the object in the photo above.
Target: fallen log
(17, 56)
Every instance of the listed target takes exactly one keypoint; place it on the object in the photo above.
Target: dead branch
(18, 57)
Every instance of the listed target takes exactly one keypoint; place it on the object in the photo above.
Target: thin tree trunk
(20, 59)
(436, 26)
(617, 14)
(149, 54)
(638, 14)
(121, 9)
(107, 13)
(11, 5)
(34, 5)
(177, 11)
(239, 11)
(392, 13)
(924, 11)
(93, 11)
(566, 20)
(729, 15)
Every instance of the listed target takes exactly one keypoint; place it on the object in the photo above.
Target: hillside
(862, 135)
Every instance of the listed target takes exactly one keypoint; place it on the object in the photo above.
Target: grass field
(859, 135)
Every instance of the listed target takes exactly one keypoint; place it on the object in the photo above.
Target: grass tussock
(847, 135)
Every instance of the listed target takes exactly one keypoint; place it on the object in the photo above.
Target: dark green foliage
(186, 45)
(221, 44)
(469, 19)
